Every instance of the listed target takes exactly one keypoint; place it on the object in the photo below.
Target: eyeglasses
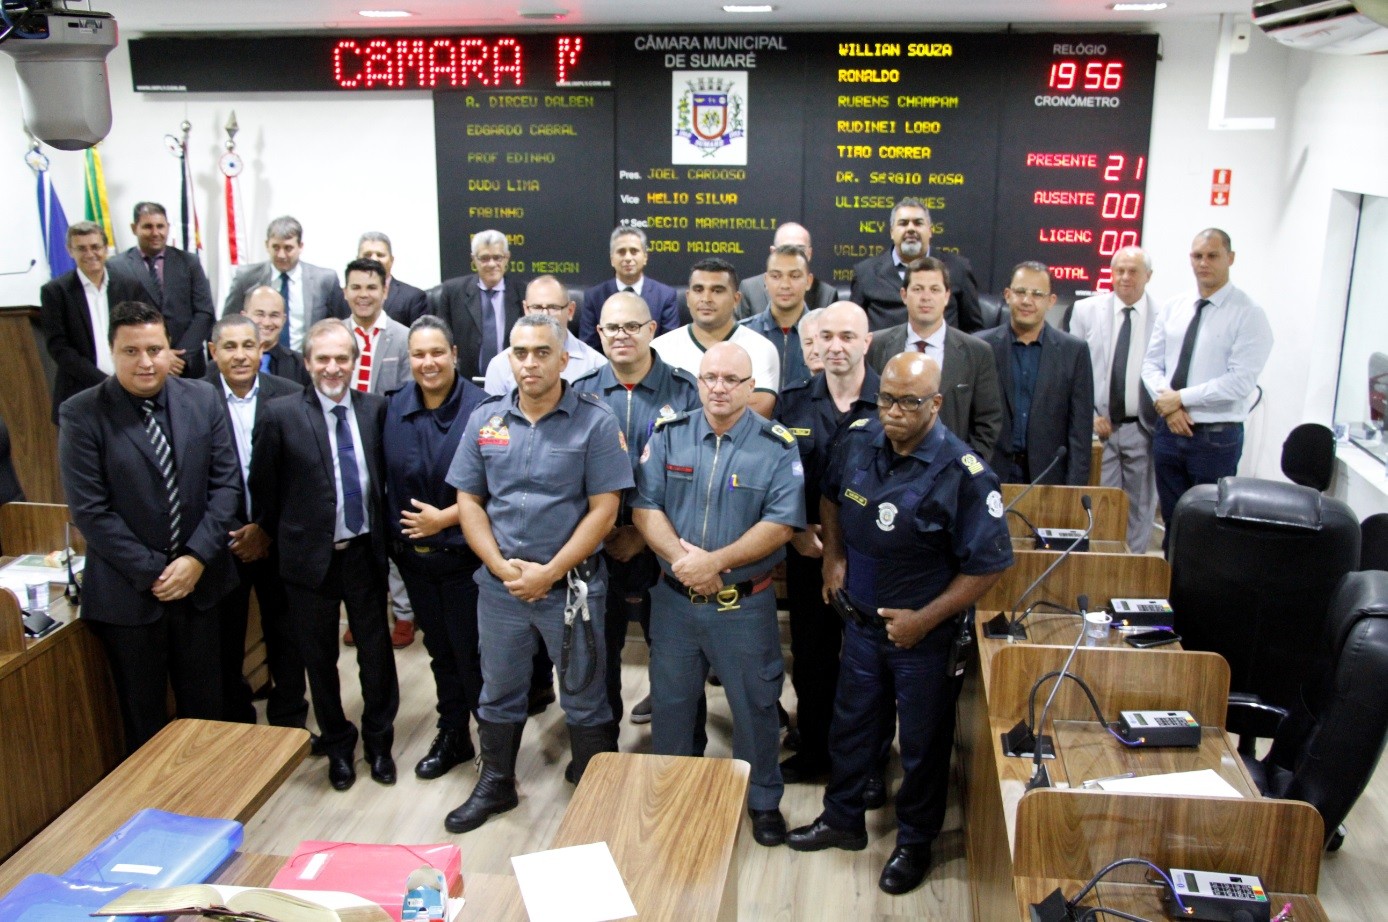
(547, 308)
(1035, 294)
(630, 328)
(728, 381)
(907, 404)
(489, 258)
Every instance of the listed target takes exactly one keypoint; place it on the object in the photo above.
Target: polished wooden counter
(197, 767)
(1099, 575)
(1053, 506)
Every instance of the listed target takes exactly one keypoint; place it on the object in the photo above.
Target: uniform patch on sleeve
(971, 464)
(858, 423)
(797, 469)
(995, 508)
(858, 498)
(622, 440)
(646, 453)
(801, 433)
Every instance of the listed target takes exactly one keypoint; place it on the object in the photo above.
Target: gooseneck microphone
(1039, 776)
(1060, 454)
(1001, 625)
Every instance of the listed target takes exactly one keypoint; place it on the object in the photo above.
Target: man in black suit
(481, 307)
(877, 282)
(972, 407)
(151, 478)
(404, 302)
(311, 293)
(74, 309)
(1047, 384)
(173, 281)
(628, 249)
(245, 390)
(318, 491)
(266, 308)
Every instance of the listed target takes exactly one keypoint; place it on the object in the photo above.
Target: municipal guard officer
(640, 389)
(720, 493)
(539, 474)
(913, 535)
(818, 413)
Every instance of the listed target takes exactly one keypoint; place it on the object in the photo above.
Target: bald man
(717, 548)
(546, 295)
(265, 307)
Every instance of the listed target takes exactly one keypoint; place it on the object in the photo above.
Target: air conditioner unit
(1331, 26)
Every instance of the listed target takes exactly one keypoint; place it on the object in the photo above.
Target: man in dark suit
(74, 309)
(310, 292)
(173, 281)
(972, 407)
(877, 282)
(1047, 385)
(266, 308)
(628, 249)
(481, 307)
(404, 303)
(245, 390)
(152, 482)
(318, 491)
(756, 298)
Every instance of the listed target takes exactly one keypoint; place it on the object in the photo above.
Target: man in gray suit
(972, 407)
(1117, 326)
(383, 365)
(174, 282)
(755, 298)
(1047, 386)
(310, 292)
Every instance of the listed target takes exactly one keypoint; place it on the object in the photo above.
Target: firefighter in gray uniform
(719, 493)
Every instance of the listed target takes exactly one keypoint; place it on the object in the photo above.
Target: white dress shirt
(340, 530)
(243, 425)
(934, 343)
(1231, 348)
(294, 307)
(583, 358)
(99, 307)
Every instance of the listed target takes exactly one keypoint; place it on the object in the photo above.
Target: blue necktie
(493, 329)
(352, 510)
(265, 362)
(284, 293)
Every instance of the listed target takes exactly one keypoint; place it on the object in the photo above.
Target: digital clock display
(1092, 76)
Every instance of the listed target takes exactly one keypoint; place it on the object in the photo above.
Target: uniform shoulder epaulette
(797, 385)
(969, 461)
(586, 376)
(683, 374)
(677, 419)
(591, 398)
(493, 398)
(778, 434)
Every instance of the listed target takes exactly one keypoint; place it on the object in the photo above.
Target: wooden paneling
(1100, 576)
(36, 528)
(26, 404)
(1072, 834)
(197, 767)
(1047, 506)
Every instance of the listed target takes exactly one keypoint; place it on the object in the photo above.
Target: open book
(248, 903)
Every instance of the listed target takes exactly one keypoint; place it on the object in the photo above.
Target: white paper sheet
(1204, 783)
(576, 884)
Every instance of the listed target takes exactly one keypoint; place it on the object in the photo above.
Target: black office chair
(1308, 456)
(1373, 542)
(992, 308)
(1253, 566)
(1326, 746)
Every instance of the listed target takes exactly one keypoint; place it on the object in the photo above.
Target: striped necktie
(163, 456)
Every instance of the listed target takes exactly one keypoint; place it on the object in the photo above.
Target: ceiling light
(549, 13)
(748, 8)
(1137, 7)
(385, 14)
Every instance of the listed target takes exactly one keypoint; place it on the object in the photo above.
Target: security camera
(60, 56)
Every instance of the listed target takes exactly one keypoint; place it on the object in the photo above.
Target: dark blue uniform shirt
(420, 444)
(910, 524)
(787, 343)
(714, 488)
(535, 480)
(807, 409)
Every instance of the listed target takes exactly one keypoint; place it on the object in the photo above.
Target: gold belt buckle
(728, 598)
(421, 549)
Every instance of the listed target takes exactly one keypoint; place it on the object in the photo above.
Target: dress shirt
(1026, 367)
(1136, 350)
(934, 343)
(1231, 348)
(340, 531)
(243, 424)
(294, 309)
(100, 310)
(636, 286)
(583, 358)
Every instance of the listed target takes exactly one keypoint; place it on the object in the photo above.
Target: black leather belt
(1215, 427)
(1125, 420)
(584, 571)
(343, 545)
(422, 549)
(1018, 458)
(725, 598)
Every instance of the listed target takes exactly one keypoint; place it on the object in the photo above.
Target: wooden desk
(1052, 506)
(1101, 576)
(197, 767)
(1064, 833)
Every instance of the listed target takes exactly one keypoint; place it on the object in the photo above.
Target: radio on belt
(1216, 897)
(1058, 539)
(1159, 728)
(1140, 613)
